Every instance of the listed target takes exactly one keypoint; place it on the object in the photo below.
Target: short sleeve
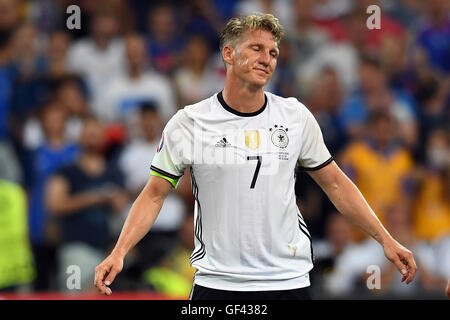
(173, 154)
(313, 151)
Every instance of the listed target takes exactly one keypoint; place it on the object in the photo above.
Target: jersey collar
(238, 113)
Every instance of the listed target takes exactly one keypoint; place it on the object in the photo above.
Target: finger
(111, 276)
(106, 290)
(412, 268)
(401, 267)
(100, 275)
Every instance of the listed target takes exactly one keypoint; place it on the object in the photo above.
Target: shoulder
(288, 102)
(290, 106)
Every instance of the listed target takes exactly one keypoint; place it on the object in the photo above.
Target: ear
(228, 54)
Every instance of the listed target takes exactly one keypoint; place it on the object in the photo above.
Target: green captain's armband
(169, 177)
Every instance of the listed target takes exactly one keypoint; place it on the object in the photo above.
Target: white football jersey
(249, 233)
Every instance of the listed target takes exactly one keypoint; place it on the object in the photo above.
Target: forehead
(259, 36)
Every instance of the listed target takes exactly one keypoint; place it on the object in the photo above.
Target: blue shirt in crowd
(47, 161)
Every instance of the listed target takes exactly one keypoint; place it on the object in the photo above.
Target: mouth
(262, 70)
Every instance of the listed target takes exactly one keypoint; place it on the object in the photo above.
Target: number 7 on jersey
(258, 165)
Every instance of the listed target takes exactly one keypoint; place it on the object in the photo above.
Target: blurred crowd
(82, 110)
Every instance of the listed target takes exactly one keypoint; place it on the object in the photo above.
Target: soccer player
(242, 146)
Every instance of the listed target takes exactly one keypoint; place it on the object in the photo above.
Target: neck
(243, 98)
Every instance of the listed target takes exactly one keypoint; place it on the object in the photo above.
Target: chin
(260, 82)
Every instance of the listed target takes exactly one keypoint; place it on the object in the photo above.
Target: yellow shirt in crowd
(432, 209)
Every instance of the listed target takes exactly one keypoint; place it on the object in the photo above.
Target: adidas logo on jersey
(223, 143)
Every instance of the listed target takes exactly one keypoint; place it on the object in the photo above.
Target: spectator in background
(58, 47)
(284, 81)
(173, 274)
(47, 15)
(374, 94)
(351, 273)
(125, 93)
(381, 168)
(432, 208)
(279, 8)
(71, 93)
(9, 15)
(165, 42)
(323, 44)
(434, 111)
(406, 12)
(336, 239)
(30, 65)
(134, 162)
(16, 260)
(442, 261)
(99, 58)
(69, 97)
(83, 196)
(393, 59)
(202, 17)
(324, 100)
(197, 78)
(400, 224)
(434, 38)
(305, 37)
(370, 40)
(53, 153)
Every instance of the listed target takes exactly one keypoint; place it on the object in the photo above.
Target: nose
(264, 58)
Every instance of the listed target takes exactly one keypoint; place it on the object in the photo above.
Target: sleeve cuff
(165, 175)
(319, 166)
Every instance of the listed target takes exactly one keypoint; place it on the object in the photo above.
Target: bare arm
(140, 219)
(351, 203)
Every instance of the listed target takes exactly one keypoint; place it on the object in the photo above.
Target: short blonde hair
(236, 27)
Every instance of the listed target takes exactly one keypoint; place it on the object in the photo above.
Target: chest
(268, 145)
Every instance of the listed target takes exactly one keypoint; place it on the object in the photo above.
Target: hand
(106, 271)
(402, 258)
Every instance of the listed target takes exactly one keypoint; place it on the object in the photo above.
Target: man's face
(254, 58)
(150, 124)
(92, 136)
(382, 131)
(135, 52)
